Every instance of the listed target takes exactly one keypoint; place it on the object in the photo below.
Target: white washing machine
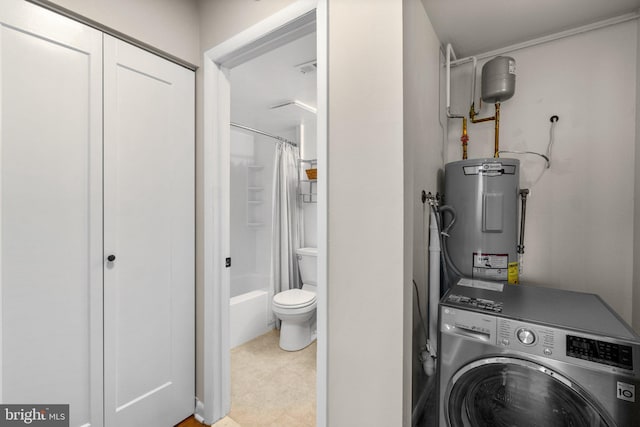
(517, 355)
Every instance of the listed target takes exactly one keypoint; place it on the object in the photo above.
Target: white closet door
(50, 211)
(149, 228)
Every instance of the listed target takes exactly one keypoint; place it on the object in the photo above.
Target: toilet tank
(308, 265)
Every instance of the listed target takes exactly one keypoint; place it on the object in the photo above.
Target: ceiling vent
(295, 104)
(307, 67)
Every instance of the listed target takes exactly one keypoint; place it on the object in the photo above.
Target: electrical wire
(547, 157)
(552, 136)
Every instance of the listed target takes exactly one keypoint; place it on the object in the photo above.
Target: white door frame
(285, 25)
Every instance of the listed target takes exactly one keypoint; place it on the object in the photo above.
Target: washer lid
(294, 298)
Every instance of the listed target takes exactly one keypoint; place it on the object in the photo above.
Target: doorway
(293, 22)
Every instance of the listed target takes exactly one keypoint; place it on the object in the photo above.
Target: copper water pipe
(496, 118)
(464, 138)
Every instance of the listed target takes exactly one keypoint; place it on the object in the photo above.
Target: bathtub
(249, 309)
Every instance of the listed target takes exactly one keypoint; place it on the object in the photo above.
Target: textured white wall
(223, 19)
(169, 25)
(580, 215)
(636, 224)
(367, 382)
(423, 160)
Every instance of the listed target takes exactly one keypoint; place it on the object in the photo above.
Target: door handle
(111, 258)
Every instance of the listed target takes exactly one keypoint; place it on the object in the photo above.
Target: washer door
(504, 391)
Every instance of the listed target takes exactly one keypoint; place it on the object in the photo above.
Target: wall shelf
(307, 189)
(255, 196)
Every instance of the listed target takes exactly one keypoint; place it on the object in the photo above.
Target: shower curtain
(285, 216)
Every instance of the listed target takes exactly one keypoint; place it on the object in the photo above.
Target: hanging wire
(547, 157)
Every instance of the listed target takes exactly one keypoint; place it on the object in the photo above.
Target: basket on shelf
(312, 173)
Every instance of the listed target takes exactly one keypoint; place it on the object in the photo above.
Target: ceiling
(477, 26)
(274, 78)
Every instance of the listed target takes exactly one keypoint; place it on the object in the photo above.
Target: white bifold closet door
(94, 165)
(50, 211)
(149, 228)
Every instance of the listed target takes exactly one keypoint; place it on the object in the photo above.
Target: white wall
(250, 242)
(222, 19)
(368, 381)
(169, 25)
(636, 223)
(580, 215)
(423, 159)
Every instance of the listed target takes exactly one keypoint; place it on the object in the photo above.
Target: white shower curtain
(285, 220)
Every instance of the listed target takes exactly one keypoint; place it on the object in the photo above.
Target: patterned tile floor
(273, 387)
(270, 386)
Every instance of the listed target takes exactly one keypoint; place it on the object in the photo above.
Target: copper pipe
(496, 151)
(496, 118)
(472, 115)
(464, 138)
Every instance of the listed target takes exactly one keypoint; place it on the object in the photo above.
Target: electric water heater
(483, 240)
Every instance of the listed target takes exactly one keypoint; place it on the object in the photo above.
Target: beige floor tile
(273, 387)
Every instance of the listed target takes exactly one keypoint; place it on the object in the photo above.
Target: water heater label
(481, 260)
(491, 266)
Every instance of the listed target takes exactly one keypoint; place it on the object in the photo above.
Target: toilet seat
(294, 298)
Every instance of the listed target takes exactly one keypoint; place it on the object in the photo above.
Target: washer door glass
(512, 392)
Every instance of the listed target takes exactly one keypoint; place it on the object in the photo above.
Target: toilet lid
(294, 298)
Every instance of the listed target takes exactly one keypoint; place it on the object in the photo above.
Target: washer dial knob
(526, 336)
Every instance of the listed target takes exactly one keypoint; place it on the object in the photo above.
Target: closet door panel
(50, 211)
(149, 228)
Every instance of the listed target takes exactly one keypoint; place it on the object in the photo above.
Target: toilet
(296, 308)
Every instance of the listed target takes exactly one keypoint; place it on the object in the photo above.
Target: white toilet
(296, 308)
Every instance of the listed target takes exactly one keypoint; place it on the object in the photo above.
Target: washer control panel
(553, 343)
(607, 353)
(526, 336)
(512, 335)
(530, 338)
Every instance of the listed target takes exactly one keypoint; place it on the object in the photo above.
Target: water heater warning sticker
(514, 271)
(491, 266)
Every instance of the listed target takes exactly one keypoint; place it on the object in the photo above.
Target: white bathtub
(249, 312)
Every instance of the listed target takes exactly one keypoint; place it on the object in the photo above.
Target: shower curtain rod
(279, 138)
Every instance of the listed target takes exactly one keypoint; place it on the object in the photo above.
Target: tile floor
(270, 386)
